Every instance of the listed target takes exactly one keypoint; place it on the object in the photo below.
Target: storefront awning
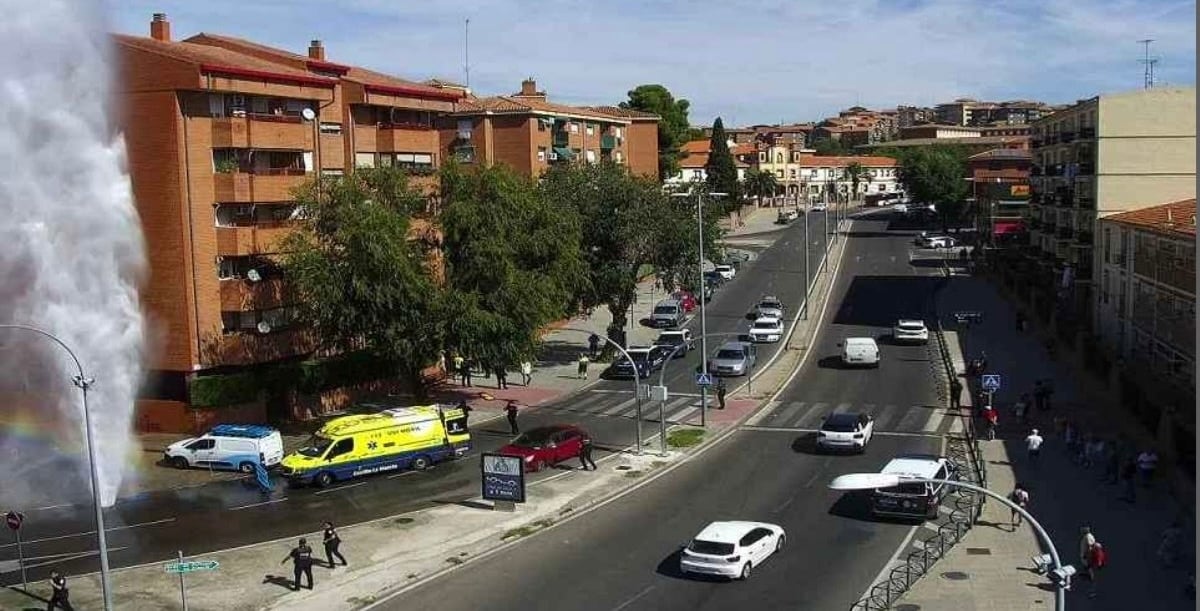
(1003, 227)
(563, 152)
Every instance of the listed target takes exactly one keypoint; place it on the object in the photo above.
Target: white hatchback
(731, 549)
(726, 271)
(910, 331)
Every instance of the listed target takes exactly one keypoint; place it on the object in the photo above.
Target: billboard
(503, 478)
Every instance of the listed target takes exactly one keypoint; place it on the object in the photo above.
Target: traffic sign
(189, 567)
(14, 519)
(991, 382)
(704, 379)
(965, 316)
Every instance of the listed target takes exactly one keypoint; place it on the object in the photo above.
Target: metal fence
(965, 507)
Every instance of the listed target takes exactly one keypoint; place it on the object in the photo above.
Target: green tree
(721, 170)
(673, 127)
(361, 283)
(830, 147)
(935, 175)
(760, 184)
(855, 172)
(513, 263)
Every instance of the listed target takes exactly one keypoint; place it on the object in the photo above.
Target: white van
(228, 446)
(860, 351)
(914, 499)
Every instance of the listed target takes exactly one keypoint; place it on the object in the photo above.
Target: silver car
(769, 307)
(733, 359)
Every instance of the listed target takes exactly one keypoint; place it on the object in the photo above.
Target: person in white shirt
(1034, 444)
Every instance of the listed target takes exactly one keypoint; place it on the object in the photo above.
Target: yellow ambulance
(392, 439)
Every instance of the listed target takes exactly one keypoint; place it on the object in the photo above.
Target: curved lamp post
(83, 382)
(637, 396)
(871, 481)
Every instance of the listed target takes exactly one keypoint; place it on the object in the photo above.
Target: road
(152, 526)
(624, 556)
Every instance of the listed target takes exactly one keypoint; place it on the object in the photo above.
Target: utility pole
(1148, 62)
(467, 52)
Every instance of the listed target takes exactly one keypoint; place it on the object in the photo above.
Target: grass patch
(685, 438)
(632, 474)
(526, 530)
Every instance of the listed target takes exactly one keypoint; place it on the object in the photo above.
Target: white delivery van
(860, 351)
(228, 446)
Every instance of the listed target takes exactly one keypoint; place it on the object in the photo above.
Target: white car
(731, 549)
(910, 331)
(845, 431)
(938, 241)
(766, 330)
(770, 305)
(900, 208)
(671, 339)
(860, 351)
(726, 271)
(818, 207)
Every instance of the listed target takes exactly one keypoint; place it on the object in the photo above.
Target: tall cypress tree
(721, 169)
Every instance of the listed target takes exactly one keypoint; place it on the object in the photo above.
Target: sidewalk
(1064, 495)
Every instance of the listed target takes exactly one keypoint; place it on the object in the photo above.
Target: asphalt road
(152, 526)
(624, 556)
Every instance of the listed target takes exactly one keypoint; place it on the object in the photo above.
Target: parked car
(685, 299)
(733, 359)
(671, 339)
(786, 216)
(767, 329)
(846, 431)
(818, 207)
(726, 271)
(667, 313)
(713, 279)
(648, 359)
(913, 499)
(860, 351)
(937, 241)
(228, 446)
(910, 330)
(731, 549)
(900, 208)
(546, 446)
(769, 305)
(709, 290)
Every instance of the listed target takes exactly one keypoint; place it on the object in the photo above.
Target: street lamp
(871, 481)
(637, 387)
(83, 382)
(700, 286)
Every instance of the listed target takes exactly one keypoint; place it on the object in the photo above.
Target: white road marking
(328, 490)
(90, 532)
(395, 475)
(812, 479)
(634, 599)
(239, 508)
(934, 421)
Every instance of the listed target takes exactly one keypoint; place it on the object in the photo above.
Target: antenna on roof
(1149, 62)
(467, 52)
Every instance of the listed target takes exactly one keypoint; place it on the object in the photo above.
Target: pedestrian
(60, 596)
(585, 454)
(1147, 462)
(1086, 541)
(956, 389)
(332, 541)
(456, 365)
(1093, 449)
(510, 410)
(1020, 497)
(1020, 408)
(465, 409)
(1097, 560)
(464, 370)
(721, 390)
(1033, 443)
(992, 417)
(1168, 549)
(583, 366)
(301, 557)
(526, 372)
(1128, 472)
(501, 377)
(593, 345)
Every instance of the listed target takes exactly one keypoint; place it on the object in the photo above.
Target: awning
(1003, 227)
(563, 152)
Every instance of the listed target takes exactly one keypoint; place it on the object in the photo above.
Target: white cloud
(749, 61)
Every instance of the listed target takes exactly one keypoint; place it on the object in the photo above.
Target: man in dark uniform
(301, 557)
(585, 454)
(720, 393)
(332, 541)
(511, 411)
(956, 389)
(466, 410)
(593, 345)
(60, 596)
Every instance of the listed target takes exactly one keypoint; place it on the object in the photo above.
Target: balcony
(261, 186)
(250, 240)
(561, 138)
(264, 131)
(1087, 133)
(406, 138)
(241, 295)
(249, 348)
(1051, 139)
(1036, 141)
(1182, 278)
(464, 154)
(608, 142)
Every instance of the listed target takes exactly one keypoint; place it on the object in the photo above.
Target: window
(465, 125)
(710, 548)
(590, 156)
(344, 446)
(541, 152)
(202, 444)
(795, 157)
(762, 157)
(573, 127)
(364, 160)
(591, 129)
(778, 173)
(778, 157)
(792, 174)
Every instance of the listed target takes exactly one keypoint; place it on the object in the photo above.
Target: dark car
(546, 446)
(648, 360)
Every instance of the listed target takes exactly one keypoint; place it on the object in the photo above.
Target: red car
(546, 446)
(685, 299)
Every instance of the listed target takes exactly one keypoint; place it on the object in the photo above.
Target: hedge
(305, 377)
(220, 390)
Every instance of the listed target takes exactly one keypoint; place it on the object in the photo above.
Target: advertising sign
(503, 478)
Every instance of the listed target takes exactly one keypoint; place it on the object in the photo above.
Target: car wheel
(745, 571)
(323, 479)
(779, 543)
(420, 463)
(246, 467)
(179, 462)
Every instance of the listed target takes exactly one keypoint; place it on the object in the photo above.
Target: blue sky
(747, 61)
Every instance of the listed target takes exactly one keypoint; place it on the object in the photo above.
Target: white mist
(71, 250)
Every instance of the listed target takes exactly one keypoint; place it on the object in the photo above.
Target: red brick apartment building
(219, 132)
(529, 133)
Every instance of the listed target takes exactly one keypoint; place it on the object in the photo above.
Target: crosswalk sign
(991, 382)
(704, 379)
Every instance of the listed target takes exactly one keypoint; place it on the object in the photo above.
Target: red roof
(625, 113)
(696, 146)
(1174, 218)
(215, 60)
(526, 105)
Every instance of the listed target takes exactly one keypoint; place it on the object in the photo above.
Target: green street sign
(188, 567)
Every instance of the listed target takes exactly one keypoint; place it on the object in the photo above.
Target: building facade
(968, 112)
(1000, 194)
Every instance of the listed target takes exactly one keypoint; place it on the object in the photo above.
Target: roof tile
(1177, 218)
(206, 54)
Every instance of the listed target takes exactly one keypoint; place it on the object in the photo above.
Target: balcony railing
(250, 240)
(262, 131)
(239, 295)
(273, 185)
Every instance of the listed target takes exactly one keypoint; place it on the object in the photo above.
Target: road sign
(704, 379)
(658, 393)
(964, 316)
(14, 519)
(503, 478)
(991, 382)
(191, 567)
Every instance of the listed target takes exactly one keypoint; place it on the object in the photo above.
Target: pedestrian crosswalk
(808, 415)
(678, 408)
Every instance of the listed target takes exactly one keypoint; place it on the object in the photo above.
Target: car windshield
(711, 548)
(912, 326)
(766, 324)
(723, 268)
(534, 438)
(664, 310)
(730, 354)
(316, 446)
(771, 305)
(671, 340)
(839, 425)
(640, 357)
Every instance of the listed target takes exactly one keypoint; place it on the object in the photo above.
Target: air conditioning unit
(553, 156)
(464, 134)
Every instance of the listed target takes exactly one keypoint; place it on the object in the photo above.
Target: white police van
(228, 446)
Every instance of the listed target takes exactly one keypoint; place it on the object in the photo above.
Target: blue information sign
(991, 382)
(503, 478)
